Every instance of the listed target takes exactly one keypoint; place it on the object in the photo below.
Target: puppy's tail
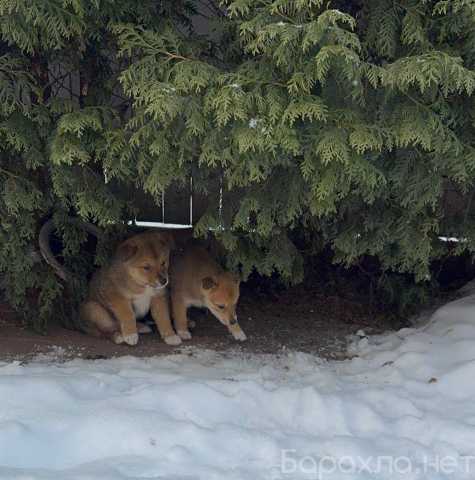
(74, 286)
(44, 242)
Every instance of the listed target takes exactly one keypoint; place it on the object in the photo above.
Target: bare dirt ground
(295, 320)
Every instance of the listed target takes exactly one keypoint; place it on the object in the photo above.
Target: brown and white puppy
(197, 280)
(134, 283)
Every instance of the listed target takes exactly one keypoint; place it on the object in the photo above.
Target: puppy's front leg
(180, 318)
(123, 312)
(237, 332)
(161, 315)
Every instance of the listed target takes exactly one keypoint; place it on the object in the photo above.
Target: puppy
(134, 283)
(197, 280)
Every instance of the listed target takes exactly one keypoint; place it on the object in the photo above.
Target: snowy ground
(402, 408)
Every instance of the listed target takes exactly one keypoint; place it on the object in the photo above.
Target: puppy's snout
(233, 321)
(162, 280)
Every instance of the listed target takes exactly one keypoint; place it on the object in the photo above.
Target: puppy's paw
(239, 335)
(184, 334)
(117, 338)
(173, 340)
(131, 339)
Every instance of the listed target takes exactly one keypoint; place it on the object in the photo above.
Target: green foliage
(350, 120)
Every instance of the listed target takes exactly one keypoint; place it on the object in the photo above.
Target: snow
(253, 122)
(401, 408)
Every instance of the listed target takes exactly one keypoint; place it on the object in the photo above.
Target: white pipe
(140, 223)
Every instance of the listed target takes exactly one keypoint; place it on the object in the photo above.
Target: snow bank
(402, 408)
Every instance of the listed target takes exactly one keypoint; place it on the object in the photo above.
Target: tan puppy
(126, 290)
(197, 280)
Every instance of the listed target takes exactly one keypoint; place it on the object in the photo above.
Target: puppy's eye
(147, 268)
(163, 264)
(221, 307)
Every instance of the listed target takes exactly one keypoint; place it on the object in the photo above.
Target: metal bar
(191, 200)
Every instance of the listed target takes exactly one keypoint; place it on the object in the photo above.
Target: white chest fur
(141, 303)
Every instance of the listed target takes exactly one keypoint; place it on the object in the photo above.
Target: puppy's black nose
(233, 321)
(162, 280)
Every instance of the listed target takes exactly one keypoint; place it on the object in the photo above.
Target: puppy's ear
(167, 239)
(126, 251)
(208, 283)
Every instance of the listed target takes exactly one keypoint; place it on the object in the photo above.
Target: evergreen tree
(349, 121)
(61, 114)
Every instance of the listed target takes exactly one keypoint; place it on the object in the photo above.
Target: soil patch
(297, 319)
